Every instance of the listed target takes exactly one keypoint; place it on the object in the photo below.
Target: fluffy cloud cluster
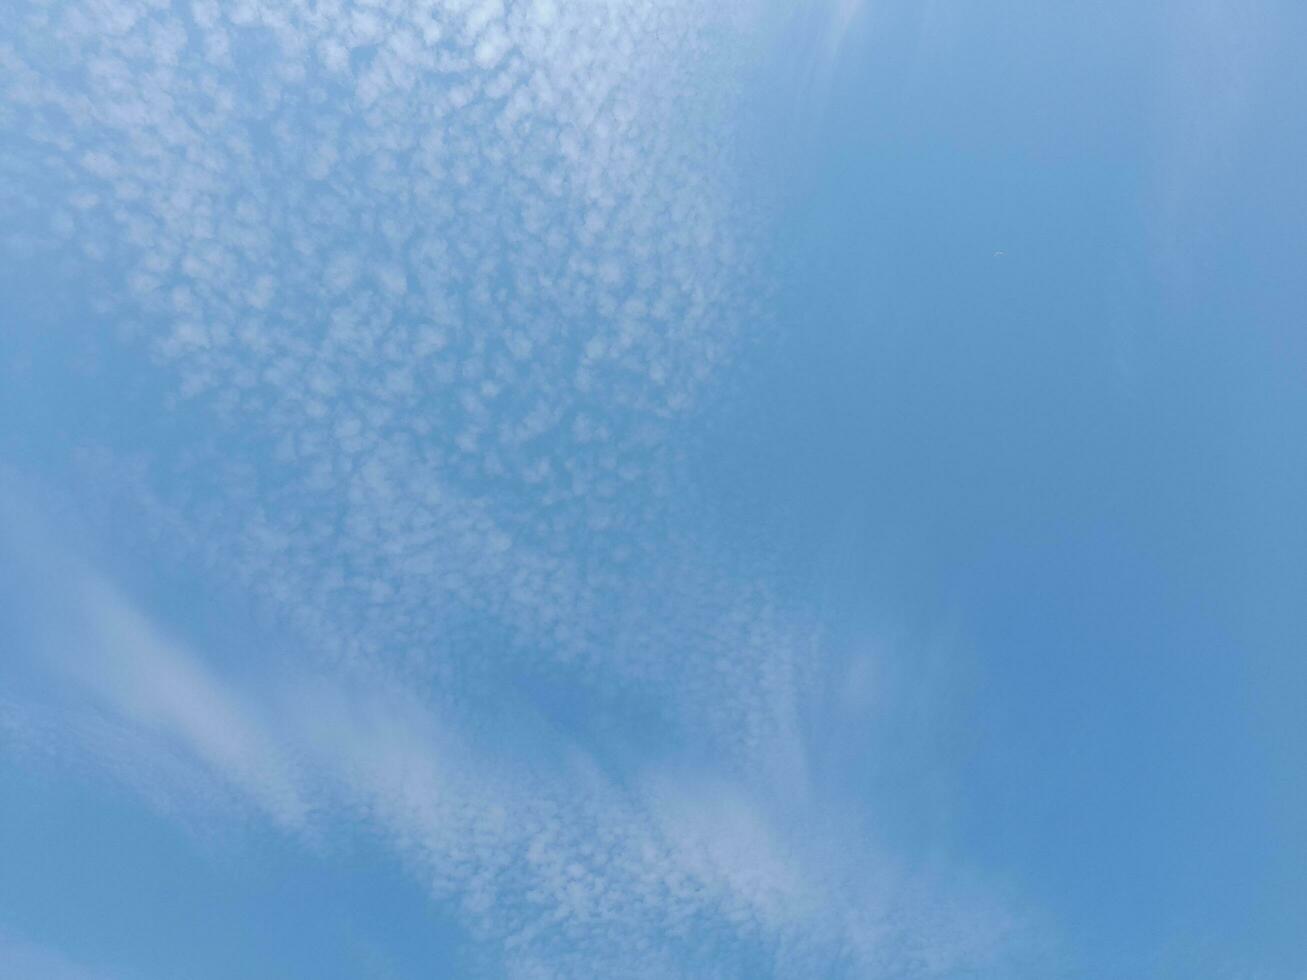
(445, 286)
(450, 273)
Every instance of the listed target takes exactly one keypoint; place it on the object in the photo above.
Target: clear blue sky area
(526, 489)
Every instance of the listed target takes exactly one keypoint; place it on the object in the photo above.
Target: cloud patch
(437, 294)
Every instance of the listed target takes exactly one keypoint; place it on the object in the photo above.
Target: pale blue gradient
(535, 490)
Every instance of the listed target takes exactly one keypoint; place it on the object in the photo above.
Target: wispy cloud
(560, 865)
(442, 290)
(1215, 56)
(21, 958)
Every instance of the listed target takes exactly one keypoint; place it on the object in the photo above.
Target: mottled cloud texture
(446, 285)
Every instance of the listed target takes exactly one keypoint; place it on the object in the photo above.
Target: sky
(526, 489)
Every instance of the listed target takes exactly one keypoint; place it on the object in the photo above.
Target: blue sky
(528, 489)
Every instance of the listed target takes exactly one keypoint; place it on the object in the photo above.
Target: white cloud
(447, 286)
(141, 689)
(21, 958)
(547, 857)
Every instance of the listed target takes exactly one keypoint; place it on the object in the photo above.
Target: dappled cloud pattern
(448, 285)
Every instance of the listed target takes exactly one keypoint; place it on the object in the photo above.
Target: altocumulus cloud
(447, 286)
